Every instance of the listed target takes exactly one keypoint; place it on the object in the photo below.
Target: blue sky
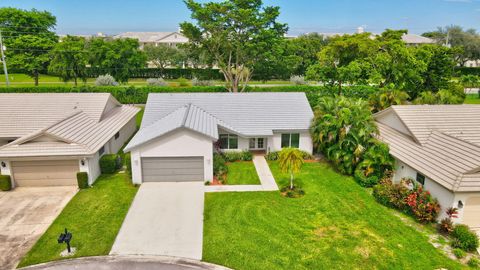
(114, 16)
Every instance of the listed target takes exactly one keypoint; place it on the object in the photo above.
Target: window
(101, 151)
(117, 135)
(291, 140)
(251, 144)
(421, 178)
(260, 143)
(228, 141)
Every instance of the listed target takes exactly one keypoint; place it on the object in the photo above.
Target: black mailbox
(65, 238)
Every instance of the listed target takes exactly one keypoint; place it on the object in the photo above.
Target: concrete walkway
(165, 219)
(127, 263)
(267, 182)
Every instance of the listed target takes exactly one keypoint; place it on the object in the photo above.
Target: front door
(257, 144)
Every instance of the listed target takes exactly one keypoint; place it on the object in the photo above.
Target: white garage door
(471, 213)
(45, 173)
(172, 169)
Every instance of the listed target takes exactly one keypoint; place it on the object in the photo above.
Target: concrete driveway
(165, 219)
(25, 214)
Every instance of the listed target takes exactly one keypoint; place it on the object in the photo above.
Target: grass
(94, 216)
(472, 99)
(242, 173)
(140, 117)
(336, 225)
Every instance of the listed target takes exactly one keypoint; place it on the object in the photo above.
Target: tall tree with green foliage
(290, 161)
(439, 64)
(467, 42)
(163, 56)
(119, 57)
(28, 37)
(305, 49)
(69, 59)
(344, 60)
(236, 33)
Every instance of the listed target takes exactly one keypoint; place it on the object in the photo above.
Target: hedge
(82, 180)
(110, 163)
(467, 71)
(139, 95)
(5, 183)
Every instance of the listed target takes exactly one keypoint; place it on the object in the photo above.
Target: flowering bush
(414, 201)
(446, 225)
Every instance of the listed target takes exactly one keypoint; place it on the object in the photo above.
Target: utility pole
(7, 81)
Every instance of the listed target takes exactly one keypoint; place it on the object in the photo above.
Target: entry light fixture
(82, 162)
(460, 204)
(3, 164)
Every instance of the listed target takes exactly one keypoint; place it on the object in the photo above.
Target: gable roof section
(74, 132)
(249, 114)
(21, 114)
(460, 121)
(188, 116)
(447, 160)
(146, 37)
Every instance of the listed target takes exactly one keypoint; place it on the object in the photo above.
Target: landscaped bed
(242, 173)
(94, 216)
(336, 225)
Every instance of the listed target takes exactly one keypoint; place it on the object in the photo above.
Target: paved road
(165, 219)
(127, 263)
(25, 214)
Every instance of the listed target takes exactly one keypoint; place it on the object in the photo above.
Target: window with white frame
(291, 140)
(228, 141)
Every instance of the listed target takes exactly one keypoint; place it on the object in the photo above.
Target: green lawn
(336, 225)
(242, 173)
(472, 99)
(140, 117)
(94, 216)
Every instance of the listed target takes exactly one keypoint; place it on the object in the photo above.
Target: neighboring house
(171, 39)
(180, 132)
(45, 139)
(439, 147)
(416, 40)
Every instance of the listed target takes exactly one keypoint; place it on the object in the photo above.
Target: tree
(467, 42)
(342, 129)
(236, 33)
(290, 161)
(69, 59)
(384, 98)
(439, 64)
(118, 57)
(28, 37)
(163, 56)
(344, 60)
(305, 49)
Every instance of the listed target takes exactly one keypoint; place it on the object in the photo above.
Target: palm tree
(291, 161)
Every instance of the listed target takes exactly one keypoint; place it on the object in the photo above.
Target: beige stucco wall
(274, 143)
(180, 143)
(392, 120)
(464, 198)
(114, 145)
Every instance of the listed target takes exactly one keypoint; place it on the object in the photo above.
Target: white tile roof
(244, 114)
(151, 37)
(416, 39)
(251, 114)
(442, 145)
(82, 128)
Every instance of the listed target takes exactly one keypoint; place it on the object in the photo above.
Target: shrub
(415, 202)
(197, 82)
(110, 163)
(473, 262)
(232, 156)
(464, 238)
(82, 180)
(182, 82)
(156, 82)
(298, 80)
(272, 156)
(446, 225)
(5, 182)
(128, 164)
(105, 80)
(219, 165)
(460, 254)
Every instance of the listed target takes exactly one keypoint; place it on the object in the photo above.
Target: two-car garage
(45, 173)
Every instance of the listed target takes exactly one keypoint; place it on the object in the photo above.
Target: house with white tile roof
(439, 147)
(171, 39)
(46, 138)
(180, 132)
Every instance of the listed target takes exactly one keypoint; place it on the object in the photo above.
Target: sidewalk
(266, 179)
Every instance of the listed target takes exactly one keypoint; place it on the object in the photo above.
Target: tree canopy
(236, 33)
(69, 59)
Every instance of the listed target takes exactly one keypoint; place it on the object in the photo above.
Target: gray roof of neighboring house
(146, 37)
(441, 143)
(60, 124)
(244, 114)
(416, 39)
